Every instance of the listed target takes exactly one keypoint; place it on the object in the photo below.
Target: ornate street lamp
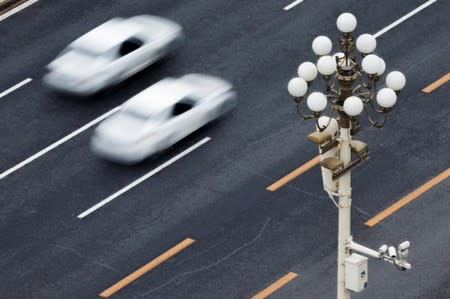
(351, 87)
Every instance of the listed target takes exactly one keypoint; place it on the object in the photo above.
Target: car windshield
(85, 52)
(137, 114)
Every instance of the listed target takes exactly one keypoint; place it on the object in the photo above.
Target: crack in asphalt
(200, 253)
(85, 258)
(251, 171)
(207, 267)
(361, 211)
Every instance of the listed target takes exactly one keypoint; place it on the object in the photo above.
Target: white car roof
(158, 97)
(107, 35)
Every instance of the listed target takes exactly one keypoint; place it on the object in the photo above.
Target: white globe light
(322, 45)
(341, 56)
(326, 65)
(316, 101)
(386, 97)
(353, 106)
(307, 70)
(395, 80)
(330, 124)
(366, 43)
(382, 67)
(297, 87)
(346, 22)
(371, 64)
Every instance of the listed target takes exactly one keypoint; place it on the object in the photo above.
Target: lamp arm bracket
(350, 166)
(304, 116)
(376, 124)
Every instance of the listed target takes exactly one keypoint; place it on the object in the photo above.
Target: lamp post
(350, 88)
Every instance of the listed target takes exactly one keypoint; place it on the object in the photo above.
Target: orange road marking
(141, 271)
(275, 286)
(289, 177)
(408, 198)
(437, 83)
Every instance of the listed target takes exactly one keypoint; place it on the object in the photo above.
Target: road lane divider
(436, 84)
(275, 286)
(143, 178)
(295, 3)
(16, 9)
(17, 86)
(292, 175)
(404, 18)
(58, 143)
(408, 198)
(147, 267)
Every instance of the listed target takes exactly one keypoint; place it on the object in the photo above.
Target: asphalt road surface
(246, 237)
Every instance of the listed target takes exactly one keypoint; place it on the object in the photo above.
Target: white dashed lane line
(404, 18)
(58, 143)
(295, 3)
(17, 86)
(143, 178)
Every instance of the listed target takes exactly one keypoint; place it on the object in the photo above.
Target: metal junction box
(356, 272)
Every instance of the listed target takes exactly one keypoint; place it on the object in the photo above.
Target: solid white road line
(18, 85)
(58, 143)
(143, 178)
(296, 2)
(17, 9)
(405, 17)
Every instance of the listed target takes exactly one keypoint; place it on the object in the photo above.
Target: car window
(137, 114)
(182, 106)
(130, 45)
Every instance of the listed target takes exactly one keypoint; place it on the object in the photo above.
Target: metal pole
(344, 210)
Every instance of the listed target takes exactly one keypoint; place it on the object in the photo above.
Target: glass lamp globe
(395, 80)
(326, 65)
(307, 70)
(346, 22)
(353, 106)
(297, 87)
(329, 125)
(366, 43)
(322, 45)
(386, 97)
(371, 64)
(382, 67)
(316, 101)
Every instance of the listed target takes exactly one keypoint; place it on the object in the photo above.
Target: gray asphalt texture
(246, 237)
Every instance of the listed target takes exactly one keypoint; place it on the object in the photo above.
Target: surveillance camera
(383, 249)
(392, 252)
(404, 246)
(402, 265)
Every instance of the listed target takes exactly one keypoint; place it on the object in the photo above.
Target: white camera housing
(404, 246)
(392, 252)
(383, 249)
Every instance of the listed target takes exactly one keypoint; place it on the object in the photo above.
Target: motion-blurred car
(112, 52)
(161, 115)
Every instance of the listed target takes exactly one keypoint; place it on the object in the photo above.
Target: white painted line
(18, 85)
(296, 2)
(17, 9)
(143, 178)
(405, 17)
(58, 143)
